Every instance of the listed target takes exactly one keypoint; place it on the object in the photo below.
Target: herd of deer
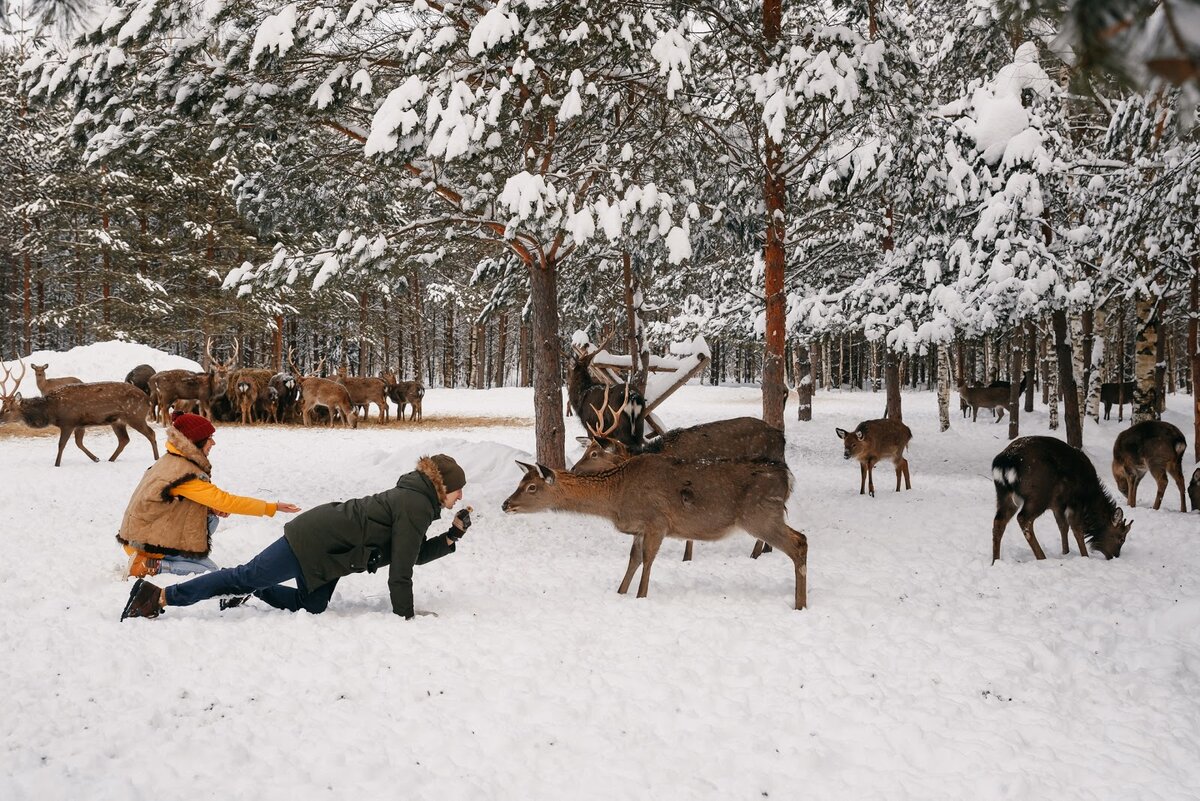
(221, 393)
(699, 483)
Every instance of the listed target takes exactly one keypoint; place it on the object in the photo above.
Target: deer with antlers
(655, 496)
(588, 397)
(74, 407)
(326, 394)
(169, 386)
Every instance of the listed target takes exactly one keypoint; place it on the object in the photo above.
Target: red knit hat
(193, 426)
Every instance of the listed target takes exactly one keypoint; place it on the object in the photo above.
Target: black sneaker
(145, 600)
(230, 603)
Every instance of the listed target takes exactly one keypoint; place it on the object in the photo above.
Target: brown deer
(248, 390)
(591, 399)
(140, 377)
(994, 397)
(407, 393)
(655, 496)
(874, 441)
(287, 396)
(1194, 490)
(1119, 394)
(48, 385)
(1046, 473)
(169, 386)
(1151, 446)
(74, 407)
(364, 392)
(746, 438)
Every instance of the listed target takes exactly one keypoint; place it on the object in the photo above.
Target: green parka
(338, 539)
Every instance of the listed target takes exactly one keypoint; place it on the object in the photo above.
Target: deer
(140, 377)
(1194, 490)
(248, 389)
(406, 393)
(1151, 446)
(746, 438)
(1119, 394)
(364, 392)
(871, 442)
(994, 397)
(655, 496)
(966, 407)
(74, 407)
(329, 395)
(169, 386)
(1047, 473)
(48, 385)
(287, 396)
(586, 396)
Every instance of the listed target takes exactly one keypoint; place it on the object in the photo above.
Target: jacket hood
(429, 469)
(187, 449)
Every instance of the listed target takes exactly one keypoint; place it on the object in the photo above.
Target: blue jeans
(262, 577)
(187, 565)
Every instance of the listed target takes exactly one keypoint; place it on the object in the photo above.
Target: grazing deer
(169, 386)
(75, 406)
(994, 397)
(248, 391)
(1194, 490)
(140, 377)
(874, 441)
(407, 393)
(1119, 394)
(746, 438)
(655, 496)
(1154, 446)
(48, 385)
(591, 400)
(1046, 473)
(364, 392)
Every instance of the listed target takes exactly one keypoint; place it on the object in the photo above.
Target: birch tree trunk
(1049, 385)
(1194, 355)
(1066, 380)
(1017, 350)
(1145, 355)
(1095, 371)
(943, 386)
(804, 384)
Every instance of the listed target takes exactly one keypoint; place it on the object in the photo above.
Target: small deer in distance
(871, 442)
(48, 385)
(74, 407)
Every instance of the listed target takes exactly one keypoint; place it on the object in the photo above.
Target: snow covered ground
(919, 671)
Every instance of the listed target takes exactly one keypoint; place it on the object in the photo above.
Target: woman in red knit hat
(169, 523)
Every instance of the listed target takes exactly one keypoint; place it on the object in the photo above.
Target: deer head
(534, 493)
(1109, 540)
(600, 453)
(854, 441)
(10, 398)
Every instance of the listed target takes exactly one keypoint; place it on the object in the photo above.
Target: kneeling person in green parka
(327, 542)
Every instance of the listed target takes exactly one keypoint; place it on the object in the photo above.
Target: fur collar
(427, 468)
(187, 449)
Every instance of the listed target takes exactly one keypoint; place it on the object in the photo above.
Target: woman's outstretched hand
(280, 506)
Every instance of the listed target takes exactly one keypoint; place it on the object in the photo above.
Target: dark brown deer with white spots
(74, 407)
(746, 438)
(1151, 446)
(653, 497)
(874, 441)
(48, 385)
(1041, 473)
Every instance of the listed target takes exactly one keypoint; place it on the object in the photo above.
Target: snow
(276, 32)
(100, 361)
(920, 670)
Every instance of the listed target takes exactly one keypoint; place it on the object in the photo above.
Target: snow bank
(100, 361)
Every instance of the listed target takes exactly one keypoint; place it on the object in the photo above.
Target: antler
(4, 390)
(320, 366)
(597, 432)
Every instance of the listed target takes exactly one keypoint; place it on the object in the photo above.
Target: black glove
(464, 519)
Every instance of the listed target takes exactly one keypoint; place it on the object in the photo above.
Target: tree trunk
(818, 359)
(943, 386)
(449, 357)
(501, 350)
(524, 357)
(1081, 351)
(547, 374)
(417, 328)
(892, 381)
(1066, 380)
(1145, 400)
(1031, 372)
(1096, 363)
(804, 383)
(1160, 368)
(1194, 355)
(1017, 350)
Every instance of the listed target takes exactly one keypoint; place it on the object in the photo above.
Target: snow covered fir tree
(704, 255)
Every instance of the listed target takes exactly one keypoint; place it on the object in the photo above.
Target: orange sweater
(208, 494)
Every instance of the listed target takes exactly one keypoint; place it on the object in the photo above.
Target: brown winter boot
(145, 600)
(142, 564)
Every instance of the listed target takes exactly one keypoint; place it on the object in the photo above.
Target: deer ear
(860, 433)
(546, 473)
(1118, 517)
(841, 432)
(528, 468)
(584, 441)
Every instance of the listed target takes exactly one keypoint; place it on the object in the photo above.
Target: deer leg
(770, 528)
(64, 434)
(140, 426)
(999, 413)
(1061, 519)
(1176, 471)
(122, 440)
(1133, 482)
(1080, 537)
(1005, 509)
(760, 547)
(907, 478)
(862, 485)
(635, 560)
(1160, 478)
(687, 551)
(871, 477)
(1025, 520)
(79, 430)
(974, 414)
(899, 473)
(649, 551)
